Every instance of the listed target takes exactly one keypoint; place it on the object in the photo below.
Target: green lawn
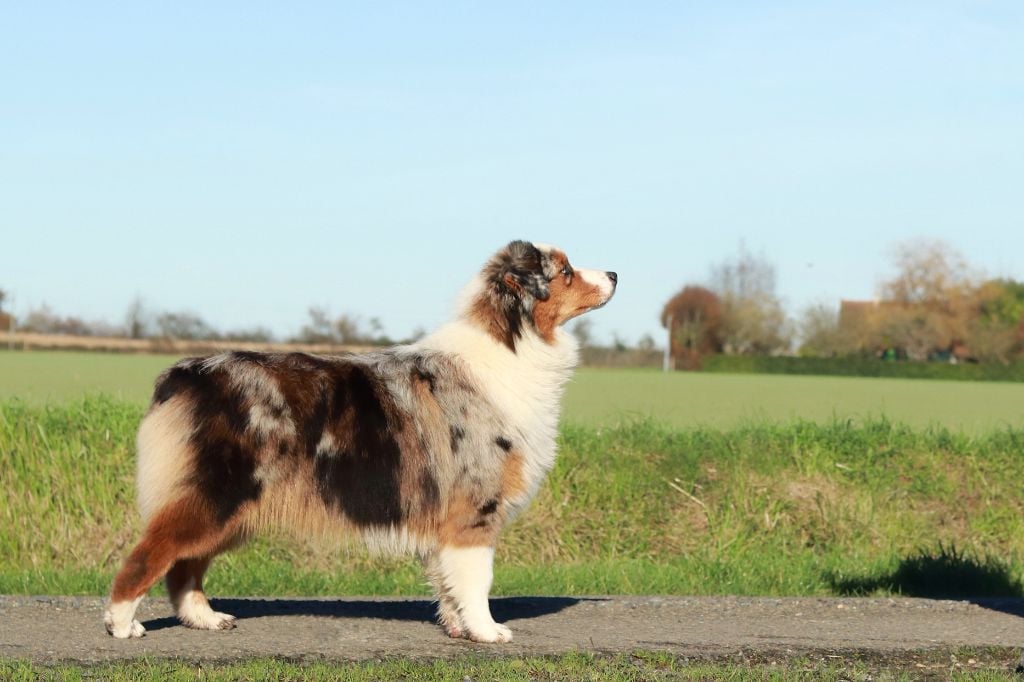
(600, 397)
(684, 399)
(55, 376)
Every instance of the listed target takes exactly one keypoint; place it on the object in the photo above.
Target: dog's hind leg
(185, 588)
(180, 530)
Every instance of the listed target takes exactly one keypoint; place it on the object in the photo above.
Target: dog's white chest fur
(526, 386)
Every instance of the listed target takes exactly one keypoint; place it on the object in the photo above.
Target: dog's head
(530, 287)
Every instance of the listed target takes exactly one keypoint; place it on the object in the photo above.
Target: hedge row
(863, 367)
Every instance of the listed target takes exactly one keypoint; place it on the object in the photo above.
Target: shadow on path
(944, 573)
(421, 610)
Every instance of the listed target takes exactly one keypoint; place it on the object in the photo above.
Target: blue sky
(247, 160)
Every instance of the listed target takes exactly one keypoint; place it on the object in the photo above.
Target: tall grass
(801, 508)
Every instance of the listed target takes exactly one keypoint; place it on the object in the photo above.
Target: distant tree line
(143, 323)
(618, 353)
(935, 307)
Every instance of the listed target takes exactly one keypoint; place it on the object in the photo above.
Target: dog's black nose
(613, 277)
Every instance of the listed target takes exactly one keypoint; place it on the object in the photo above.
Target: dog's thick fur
(430, 447)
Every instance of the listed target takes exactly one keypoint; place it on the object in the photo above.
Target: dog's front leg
(465, 575)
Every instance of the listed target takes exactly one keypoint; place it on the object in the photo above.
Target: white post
(667, 360)
(10, 330)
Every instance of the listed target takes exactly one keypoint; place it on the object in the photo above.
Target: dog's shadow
(420, 610)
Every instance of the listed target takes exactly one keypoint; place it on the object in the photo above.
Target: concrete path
(47, 629)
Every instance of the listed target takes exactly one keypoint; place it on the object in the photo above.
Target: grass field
(681, 399)
(770, 509)
(54, 376)
(599, 397)
(966, 664)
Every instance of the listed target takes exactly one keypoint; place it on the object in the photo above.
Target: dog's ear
(531, 283)
(524, 271)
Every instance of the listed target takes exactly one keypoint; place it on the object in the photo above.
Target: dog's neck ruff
(526, 385)
(522, 382)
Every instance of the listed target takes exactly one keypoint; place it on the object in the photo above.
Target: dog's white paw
(119, 619)
(225, 621)
(448, 618)
(130, 630)
(504, 632)
(208, 619)
(194, 611)
(492, 633)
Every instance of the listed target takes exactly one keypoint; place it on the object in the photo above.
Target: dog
(428, 448)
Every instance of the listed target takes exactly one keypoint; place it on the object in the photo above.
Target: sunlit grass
(964, 664)
(768, 509)
(603, 397)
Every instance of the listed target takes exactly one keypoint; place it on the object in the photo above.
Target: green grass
(994, 664)
(844, 507)
(54, 376)
(600, 397)
(686, 399)
(864, 367)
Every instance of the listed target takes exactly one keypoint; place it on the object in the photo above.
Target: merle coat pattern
(431, 447)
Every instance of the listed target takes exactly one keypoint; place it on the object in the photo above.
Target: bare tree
(646, 343)
(43, 320)
(257, 334)
(185, 325)
(344, 329)
(753, 320)
(931, 300)
(319, 328)
(917, 331)
(583, 330)
(927, 271)
(349, 330)
(137, 320)
(746, 276)
(820, 333)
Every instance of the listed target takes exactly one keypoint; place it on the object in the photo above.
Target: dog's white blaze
(467, 573)
(597, 278)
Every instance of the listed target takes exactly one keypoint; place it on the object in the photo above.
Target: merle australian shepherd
(428, 448)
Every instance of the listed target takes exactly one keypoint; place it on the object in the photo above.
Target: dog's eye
(567, 271)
